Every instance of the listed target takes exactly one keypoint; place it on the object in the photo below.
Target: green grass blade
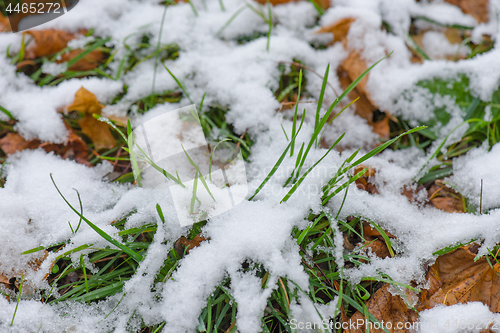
(36, 249)
(385, 237)
(321, 95)
(137, 257)
(4, 110)
(294, 123)
(179, 84)
(297, 184)
(198, 170)
(160, 213)
(82, 264)
(18, 295)
(347, 183)
(277, 164)
(230, 20)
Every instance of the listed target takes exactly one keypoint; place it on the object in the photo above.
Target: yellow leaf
(97, 131)
(85, 102)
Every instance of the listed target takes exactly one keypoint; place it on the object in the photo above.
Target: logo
(26, 14)
(171, 152)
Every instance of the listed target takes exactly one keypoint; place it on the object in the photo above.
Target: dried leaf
(322, 3)
(385, 307)
(381, 128)
(4, 24)
(445, 198)
(184, 243)
(339, 29)
(379, 248)
(85, 102)
(13, 142)
(74, 148)
(456, 278)
(47, 42)
(355, 65)
(98, 132)
(364, 182)
(369, 231)
(477, 8)
(4, 279)
(87, 63)
(450, 205)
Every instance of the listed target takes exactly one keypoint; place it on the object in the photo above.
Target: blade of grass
(230, 19)
(179, 84)
(4, 110)
(160, 213)
(297, 184)
(199, 172)
(19, 293)
(386, 238)
(278, 163)
(82, 264)
(294, 123)
(137, 257)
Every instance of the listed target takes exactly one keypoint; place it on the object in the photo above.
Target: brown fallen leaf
(385, 307)
(377, 246)
(453, 35)
(85, 102)
(47, 42)
(4, 279)
(99, 132)
(445, 198)
(365, 182)
(456, 278)
(352, 67)
(325, 4)
(348, 71)
(87, 63)
(51, 41)
(339, 29)
(477, 8)
(13, 142)
(74, 148)
(369, 231)
(4, 24)
(411, 193)
(185, 244)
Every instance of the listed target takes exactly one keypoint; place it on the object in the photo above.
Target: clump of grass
(480, 129)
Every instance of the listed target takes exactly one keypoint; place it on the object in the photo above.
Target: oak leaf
(99, 132)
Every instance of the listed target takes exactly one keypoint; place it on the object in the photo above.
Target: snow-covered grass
(296, 250)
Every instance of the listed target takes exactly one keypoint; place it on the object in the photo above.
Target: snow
(470, 317)
(243, 76)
